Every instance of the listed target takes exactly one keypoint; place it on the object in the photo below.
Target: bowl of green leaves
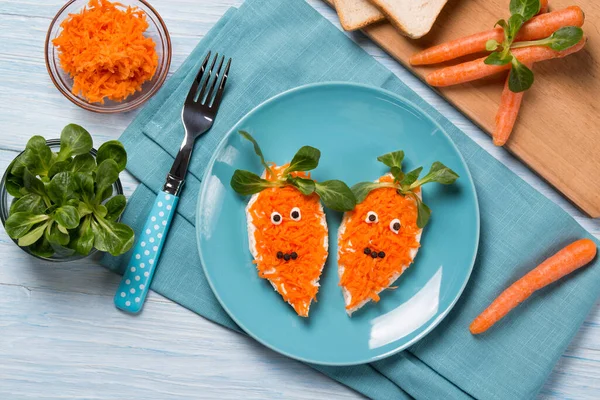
(61, 200)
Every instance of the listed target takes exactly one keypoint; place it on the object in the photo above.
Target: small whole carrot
(567, 260)
(477, 69)
(538, 27)
(510, 103)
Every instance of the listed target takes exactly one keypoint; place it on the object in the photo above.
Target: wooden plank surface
(556, 133)
(60, 336)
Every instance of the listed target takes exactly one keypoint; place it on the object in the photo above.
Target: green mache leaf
(74, 140)
(437, 173)
(336, 195)
(113, 150)
(247, 183)
(62, 188)
(362, 189)
(492, 45)
(115, 207)
(113, 237)
(67, 216)
(257, 149)
(84, 209)
(83, 239)
(42, 248)
(565, 37)
(83, 163)
(498, 58)
(526, 8)
(393, 159)
(84, 186)
(33, 235)
(504, 25)
(14, 184)
(19, 223)
(515, 22)
(31, 202)
(37, 156)
(304, 185)
(59, 166)
(423, 214)
(411, 177)
(32, 184)
(62, 228)
(106, 175)
(306, 159)
(100, 210)
(397, 173)
(520, 77)
(55, 236)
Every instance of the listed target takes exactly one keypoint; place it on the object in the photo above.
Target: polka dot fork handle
(135, 284)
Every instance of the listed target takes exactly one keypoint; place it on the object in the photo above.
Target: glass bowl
(63, 82)
(6, 200)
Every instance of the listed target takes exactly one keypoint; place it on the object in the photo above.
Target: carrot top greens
(334, 194)
(406, 184)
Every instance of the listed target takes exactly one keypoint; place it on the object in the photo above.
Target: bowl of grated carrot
(108, 57)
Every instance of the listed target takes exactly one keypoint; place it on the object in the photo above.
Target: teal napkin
(277, 45)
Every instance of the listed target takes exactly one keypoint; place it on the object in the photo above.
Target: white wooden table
(60, 336)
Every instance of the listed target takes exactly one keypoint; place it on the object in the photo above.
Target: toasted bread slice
(356, 14)
(296, 279)
(414, 18)
(352, 248)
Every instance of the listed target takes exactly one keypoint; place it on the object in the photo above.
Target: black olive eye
(276, 218)
(395, 225)
(372, 218)
(295, 214)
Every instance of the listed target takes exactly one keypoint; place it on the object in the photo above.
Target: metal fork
(198, 114)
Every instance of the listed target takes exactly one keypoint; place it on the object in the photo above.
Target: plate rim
(312, 86)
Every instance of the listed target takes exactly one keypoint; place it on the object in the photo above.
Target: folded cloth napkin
(277, 45)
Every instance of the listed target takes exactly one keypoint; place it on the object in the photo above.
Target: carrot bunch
(530, 35)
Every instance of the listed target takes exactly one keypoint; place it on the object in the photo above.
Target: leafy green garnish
(521, 77)
(526, 8)
(406, 186)
(334, 194)
(60, 204)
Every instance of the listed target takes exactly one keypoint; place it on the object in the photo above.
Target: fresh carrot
(477, 69)
(567, 260)
(510, 104)
(538, 27)
(543, 6)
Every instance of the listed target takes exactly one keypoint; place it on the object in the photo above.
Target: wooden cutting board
(558, 130)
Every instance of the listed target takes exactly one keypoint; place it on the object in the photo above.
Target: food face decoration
(287, 229)
(380, 238)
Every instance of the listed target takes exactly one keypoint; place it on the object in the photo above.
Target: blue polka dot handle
(135, 284)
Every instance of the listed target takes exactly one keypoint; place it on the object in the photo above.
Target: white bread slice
(252, 239)
(414, 18)
(345, 292)
(356, 14)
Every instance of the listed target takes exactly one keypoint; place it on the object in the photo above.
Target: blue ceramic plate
(351, 125)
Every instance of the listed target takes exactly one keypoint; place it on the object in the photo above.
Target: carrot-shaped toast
(567, 260)
(380, 238)
(287, 229)
(538, 27)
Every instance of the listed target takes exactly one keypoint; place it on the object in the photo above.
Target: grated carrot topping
(364, 277)
(104, 50)
(294, 280)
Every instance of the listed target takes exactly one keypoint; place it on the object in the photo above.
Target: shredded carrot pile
(104, 50)
(295, 279)
(364, 277)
